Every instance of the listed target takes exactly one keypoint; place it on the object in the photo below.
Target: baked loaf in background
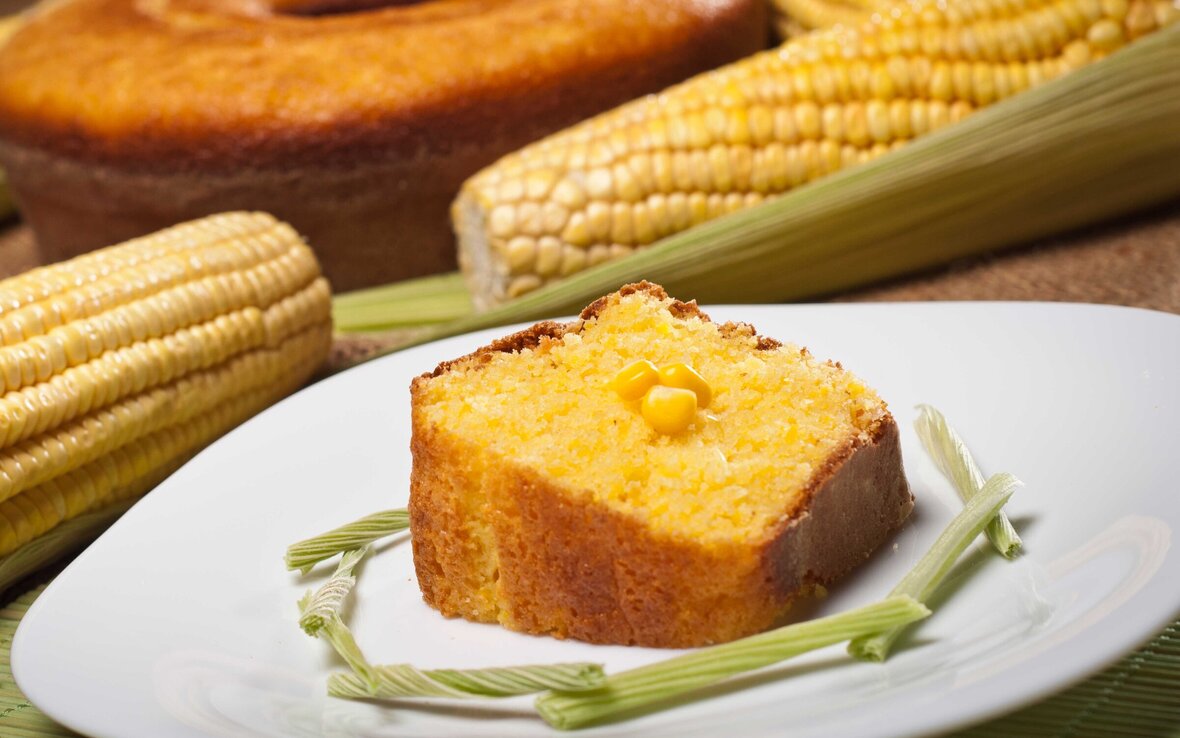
(543, 500)
(354, 120)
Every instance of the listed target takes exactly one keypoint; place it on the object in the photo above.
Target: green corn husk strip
(425, 301)
(937, 562)
(648, 686)
(403, 680)
(319, 615)
(316, 610)
(954, 460)
(359, 533)
(1090, 145)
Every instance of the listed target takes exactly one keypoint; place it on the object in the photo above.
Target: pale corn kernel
(661, 169)
(538, 184)
(1075, 55)
(619, 250)
(567, 193)
(669, 410)
(961, 80)
(1166, 13)
(715, 205)
(553, 217)
(634, 380)
(797, 163)
(785, 130)
(908, 75)
(621, 230)
(698, 207)
(640, 168)
(941, 84)
(830, 157)
(549, 251)
(739, 162)
(680, 215)
(776, 158)
(644, 230)
(573, 260)
(718, 157)
(661, 218)
(626, 187)
(1091, 9)
(682, 174)
(860, 78)
(832, 117)
(938, 113)
(762, 127)
(598, 221)
(1115, 9)
(1001, 85)
(576, 231)
(519, 254)
(807, 120)
(1106, 35)
(523, 284)
(597, 254)
(877, 120)
(959, 110)
(824, 84)
(599, 185)
(856, 125)
(698, 133)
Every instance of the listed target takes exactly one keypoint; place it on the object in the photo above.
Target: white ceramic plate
(181, 620)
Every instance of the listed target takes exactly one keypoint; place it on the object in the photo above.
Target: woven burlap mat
(1135, 261)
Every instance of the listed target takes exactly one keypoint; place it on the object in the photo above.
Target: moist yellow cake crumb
(553, 408)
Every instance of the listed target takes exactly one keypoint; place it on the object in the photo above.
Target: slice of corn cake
(644, 476)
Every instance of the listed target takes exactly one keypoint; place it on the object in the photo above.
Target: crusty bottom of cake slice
(542, 500)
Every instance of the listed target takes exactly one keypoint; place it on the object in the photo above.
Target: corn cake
(565, 484)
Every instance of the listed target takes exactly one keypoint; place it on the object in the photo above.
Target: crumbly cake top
(543, 399)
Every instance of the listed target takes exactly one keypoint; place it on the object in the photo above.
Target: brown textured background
(1133, 261)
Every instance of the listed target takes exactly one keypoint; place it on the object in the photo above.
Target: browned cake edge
(494, 541)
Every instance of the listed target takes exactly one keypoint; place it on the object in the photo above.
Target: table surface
(1134, 261)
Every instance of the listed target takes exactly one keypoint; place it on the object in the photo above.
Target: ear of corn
(1093, 144)
(754, 130)
(121, 364)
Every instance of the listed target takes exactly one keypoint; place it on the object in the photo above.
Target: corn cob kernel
(121, 364)
(752, 130)
(669, 410)
(634, 380)
(683, 376)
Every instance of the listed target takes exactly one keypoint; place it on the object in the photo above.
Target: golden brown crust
(566, 566)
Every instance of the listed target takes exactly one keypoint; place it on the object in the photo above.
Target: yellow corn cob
(752, 130)
(120, 365)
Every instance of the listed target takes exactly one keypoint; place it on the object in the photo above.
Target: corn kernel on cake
(644, 476)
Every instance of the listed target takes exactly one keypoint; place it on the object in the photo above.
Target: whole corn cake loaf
(645, 476)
